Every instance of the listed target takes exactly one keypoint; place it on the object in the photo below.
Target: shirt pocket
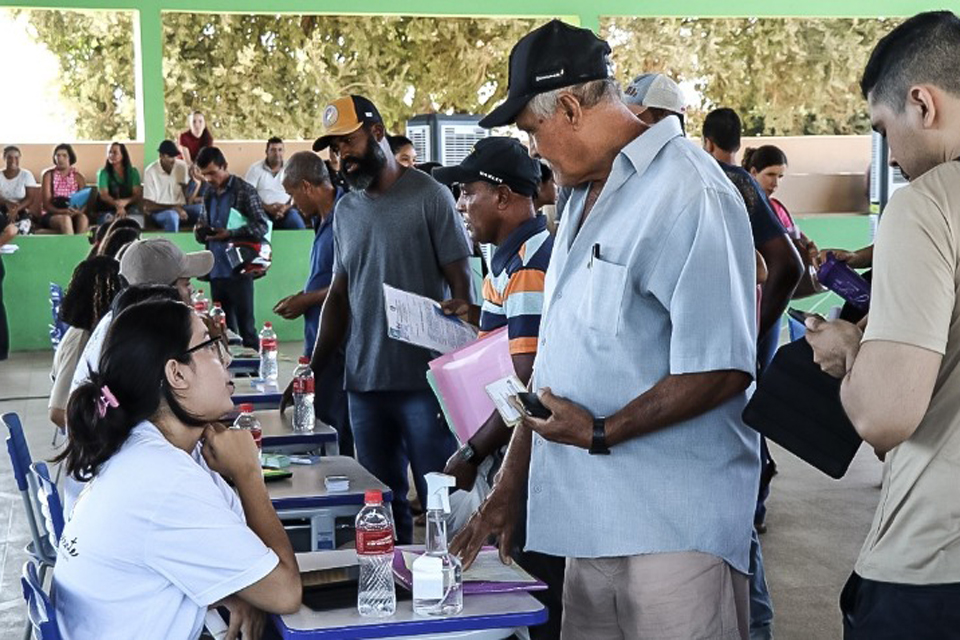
(605, 296)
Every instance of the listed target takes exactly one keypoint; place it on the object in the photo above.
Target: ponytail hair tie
(107, 399)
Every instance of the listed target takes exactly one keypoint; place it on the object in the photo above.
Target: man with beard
(397, 226)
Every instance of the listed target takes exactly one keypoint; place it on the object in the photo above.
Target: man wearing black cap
(397, 226)
(164, 182)
(642, 476)
(498, 183)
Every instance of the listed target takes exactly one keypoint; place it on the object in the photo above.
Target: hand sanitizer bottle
(437, 574)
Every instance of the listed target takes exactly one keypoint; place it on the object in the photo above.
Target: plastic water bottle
(377, 595)
(219, 316)
(200, 301)
(303, 416)
(246, 420)
(268, 353)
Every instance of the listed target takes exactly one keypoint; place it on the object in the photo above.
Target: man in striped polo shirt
(498, 184)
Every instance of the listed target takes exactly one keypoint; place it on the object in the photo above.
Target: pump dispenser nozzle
(438, 491)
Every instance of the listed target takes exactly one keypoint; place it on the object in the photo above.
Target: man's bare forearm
(674, 399)
(334, 318)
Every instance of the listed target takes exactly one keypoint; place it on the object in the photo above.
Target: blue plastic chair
(40, 611)
(39, 548)
(59, 327)
(48, 497)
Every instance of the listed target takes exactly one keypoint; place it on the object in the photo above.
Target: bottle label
(427, 578)
(268, 344)
(374, 543)
(200, 306)
(303, 384)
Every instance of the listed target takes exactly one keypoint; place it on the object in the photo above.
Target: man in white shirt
(163, 190)
(267, 178)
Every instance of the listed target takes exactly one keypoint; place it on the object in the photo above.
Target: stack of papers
(8, 249)
(418, 320)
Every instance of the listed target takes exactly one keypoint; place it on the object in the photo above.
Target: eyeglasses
(215, 343)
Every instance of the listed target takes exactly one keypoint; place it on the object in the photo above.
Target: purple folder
(470, 588)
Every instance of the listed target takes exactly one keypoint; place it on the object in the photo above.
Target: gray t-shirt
(401, 238)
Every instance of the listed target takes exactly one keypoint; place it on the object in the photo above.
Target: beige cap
(159, 261)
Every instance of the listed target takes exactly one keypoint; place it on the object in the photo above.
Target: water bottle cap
(304, 360)
(268, 324)
(217, 305)
(246, 408)
(373, 496)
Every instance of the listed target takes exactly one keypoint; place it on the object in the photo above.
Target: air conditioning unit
(444, 139)
(884, 179)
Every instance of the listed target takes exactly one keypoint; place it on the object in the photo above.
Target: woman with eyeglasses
(158, 537)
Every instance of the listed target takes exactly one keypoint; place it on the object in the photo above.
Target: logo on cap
(552, 75)
(490, 176)
(330, 116)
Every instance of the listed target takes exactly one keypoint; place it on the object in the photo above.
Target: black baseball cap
(550, 57)
(497, 161)
(345, 115)
(168, 148)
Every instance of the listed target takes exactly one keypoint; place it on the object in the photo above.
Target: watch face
(467, 452)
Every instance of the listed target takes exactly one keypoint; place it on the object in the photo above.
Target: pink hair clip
(107, 399)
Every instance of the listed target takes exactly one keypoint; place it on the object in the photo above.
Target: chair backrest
(18, 449)
(40, 611)
(49, 500)
(59, 327)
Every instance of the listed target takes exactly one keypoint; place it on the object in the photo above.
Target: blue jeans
(290, 220)
(169, 219)
(392, 427)
(761, 606)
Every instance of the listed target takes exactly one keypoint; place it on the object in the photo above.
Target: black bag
(798, 406)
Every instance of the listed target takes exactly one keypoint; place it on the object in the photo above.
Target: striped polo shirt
(513, 290)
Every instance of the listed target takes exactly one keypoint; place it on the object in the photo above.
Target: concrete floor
(816, 524)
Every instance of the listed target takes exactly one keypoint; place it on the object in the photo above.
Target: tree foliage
(260, 75)
(790, 76)
(96, 55)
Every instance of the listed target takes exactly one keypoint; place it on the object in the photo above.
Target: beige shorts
(665, 596)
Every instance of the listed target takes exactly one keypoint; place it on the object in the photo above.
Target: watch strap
(598, 446)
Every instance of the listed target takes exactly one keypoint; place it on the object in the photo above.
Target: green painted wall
(45, 259)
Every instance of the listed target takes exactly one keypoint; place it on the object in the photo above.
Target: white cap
(438, 491)
(655, 90)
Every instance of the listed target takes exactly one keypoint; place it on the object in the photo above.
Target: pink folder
(462, 376)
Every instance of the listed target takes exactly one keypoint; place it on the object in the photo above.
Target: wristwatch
(468, 453)
(598, 447)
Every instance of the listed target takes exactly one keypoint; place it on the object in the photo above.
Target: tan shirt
(166, 188)
(64, 364)
(915, 536)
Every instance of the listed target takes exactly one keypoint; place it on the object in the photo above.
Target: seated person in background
(196, 137)
(266, 177)
(158, 531)
(164, 182)
(229, 195)
(498, 183)
(92, 288)
(18, 188)
(67, 201)
(403, 150)
(196, 187)
(120, 187)
(766, 165)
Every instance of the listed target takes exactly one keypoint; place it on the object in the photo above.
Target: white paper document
(501, 392)
(418, 320)
(8, 249)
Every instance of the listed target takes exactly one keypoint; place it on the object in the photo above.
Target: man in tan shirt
(901, 377)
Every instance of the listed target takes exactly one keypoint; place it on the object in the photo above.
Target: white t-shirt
(155, 539)
(65, 364)
(269, 187)
(166, 188)
(16, 189)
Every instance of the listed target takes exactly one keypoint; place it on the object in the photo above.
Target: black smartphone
(532, 405)
(799, 316)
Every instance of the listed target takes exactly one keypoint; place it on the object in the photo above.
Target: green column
(150, 81)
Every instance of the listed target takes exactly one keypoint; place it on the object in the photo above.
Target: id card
(503, 392)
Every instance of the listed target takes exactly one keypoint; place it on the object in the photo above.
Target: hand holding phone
(532, 406)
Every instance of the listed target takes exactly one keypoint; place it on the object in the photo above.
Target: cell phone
(532, 406)
(799, 316)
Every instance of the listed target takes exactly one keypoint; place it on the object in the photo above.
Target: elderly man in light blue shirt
(644, 477)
